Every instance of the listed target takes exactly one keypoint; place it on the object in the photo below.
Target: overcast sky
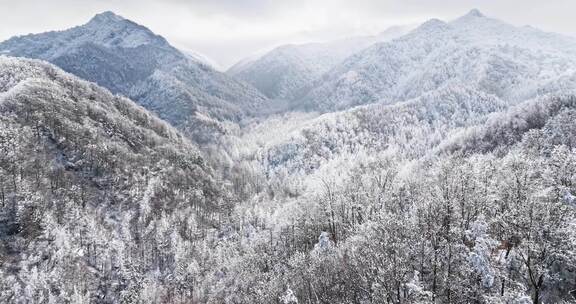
(229, 30)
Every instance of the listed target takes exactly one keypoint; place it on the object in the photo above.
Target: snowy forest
(427, 164)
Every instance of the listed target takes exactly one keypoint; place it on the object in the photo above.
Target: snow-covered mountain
(283, 72)
(100, 182)
(511, 62)
(443, 172)
(128, 58)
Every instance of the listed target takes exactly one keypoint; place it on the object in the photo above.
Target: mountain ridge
(283, 71)
(129, 59)
(471, 48)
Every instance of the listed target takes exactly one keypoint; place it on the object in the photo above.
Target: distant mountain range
(283, 72)
(474, 50)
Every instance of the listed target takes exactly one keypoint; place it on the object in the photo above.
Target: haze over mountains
(284, 71)
(432, 165)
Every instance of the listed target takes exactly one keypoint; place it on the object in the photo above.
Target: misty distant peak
(475, 13)
(433, 25)
(106, 17)
(474, 17)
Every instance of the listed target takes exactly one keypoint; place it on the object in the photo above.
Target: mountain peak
(475, 17)
(106, 17)
(475, 13)
(109, 29)
(433, 25)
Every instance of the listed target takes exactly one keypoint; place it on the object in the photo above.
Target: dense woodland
(463, 190)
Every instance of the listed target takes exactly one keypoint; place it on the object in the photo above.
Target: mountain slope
(409, 129)
(284, 71)
(128, 58)
(99, 198)
(497, 58)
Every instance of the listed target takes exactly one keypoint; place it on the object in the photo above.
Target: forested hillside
(449, 198)
(101, 201)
